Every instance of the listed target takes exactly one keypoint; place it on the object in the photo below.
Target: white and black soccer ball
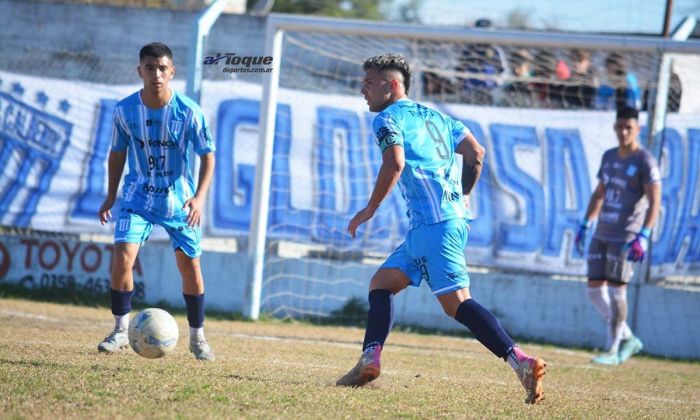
(153, 333)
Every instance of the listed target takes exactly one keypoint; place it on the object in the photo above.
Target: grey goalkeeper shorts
(607, 260)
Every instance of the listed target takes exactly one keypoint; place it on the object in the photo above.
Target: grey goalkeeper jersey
(625, 204)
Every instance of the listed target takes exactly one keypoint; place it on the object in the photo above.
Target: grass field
(50, 368)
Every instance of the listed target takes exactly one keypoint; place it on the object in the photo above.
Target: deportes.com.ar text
(247, 70)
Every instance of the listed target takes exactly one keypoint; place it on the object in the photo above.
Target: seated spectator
(619, 88)
(479, 69)
(675, 92)
(436, 86)
(438, 80)
(562, 73)
(583, 83)
(483, 60)
(547, 74)
(519, 92)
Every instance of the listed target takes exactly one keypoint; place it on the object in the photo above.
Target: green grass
(50, 368)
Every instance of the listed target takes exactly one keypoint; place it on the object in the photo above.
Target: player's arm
(638, 247)
(592, 211)
(653, 194)
(596, 202)
(393, 162)
(472, 162)
(196, 203)
(115, 168)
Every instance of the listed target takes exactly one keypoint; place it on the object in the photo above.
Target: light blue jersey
(430, 182)
(159, 180)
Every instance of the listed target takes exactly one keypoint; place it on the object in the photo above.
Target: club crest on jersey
(175, 127)
(631, 170)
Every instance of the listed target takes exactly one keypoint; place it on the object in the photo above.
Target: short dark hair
(627, 113)
(579, 55)
(617, 62)
(155, 50)
(390, 62)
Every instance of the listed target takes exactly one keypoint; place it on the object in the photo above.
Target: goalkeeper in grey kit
(626, 203)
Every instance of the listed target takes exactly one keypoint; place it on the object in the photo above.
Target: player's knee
(187, 264)
(450, 310)
(123, 260)
(389, 279)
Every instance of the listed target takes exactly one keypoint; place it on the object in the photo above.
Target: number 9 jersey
(156, 141)
(431, 181)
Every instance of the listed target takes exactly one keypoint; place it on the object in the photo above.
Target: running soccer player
(626, 203)
(418, 147)
(155, 127)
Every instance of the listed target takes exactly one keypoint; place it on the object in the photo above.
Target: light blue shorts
(434, 253)
(135, 226)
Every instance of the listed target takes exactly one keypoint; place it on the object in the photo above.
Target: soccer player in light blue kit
(154, 129)
(418, 147)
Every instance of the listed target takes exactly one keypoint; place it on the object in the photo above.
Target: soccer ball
(153, 333)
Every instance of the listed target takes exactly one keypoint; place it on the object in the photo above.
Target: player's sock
(485, 327)
(197, 334)
(195, 310)
(626, 332)
(601, 300)
(618, 303)
(380, 318)
(515, 357)
(121, 306)
(121, 322)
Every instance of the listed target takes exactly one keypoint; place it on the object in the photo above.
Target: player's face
(376, 88)
(156, 73)
(627, 131)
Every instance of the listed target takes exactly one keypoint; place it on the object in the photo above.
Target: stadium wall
(529, 307)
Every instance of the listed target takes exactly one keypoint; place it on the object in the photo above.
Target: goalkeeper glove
(637, 249)
(580, 240)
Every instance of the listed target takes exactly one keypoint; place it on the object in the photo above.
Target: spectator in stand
(519, 92)
(562, 73)
(484, 62)
(482, 66)
(583, 83)
(619, 89)
(675, 92)
(545, 75)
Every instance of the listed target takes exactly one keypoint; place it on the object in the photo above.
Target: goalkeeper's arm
(595, 203)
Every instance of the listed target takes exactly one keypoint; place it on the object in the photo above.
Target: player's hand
(195, 204)
(361, 217)
(580, 241)
(104, 212)
(637, 249)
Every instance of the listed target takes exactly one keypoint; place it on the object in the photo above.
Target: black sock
(380, 318)
(121, 302)
(485, 327)
(195, 309)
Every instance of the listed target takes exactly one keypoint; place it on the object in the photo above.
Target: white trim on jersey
(429, 191)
